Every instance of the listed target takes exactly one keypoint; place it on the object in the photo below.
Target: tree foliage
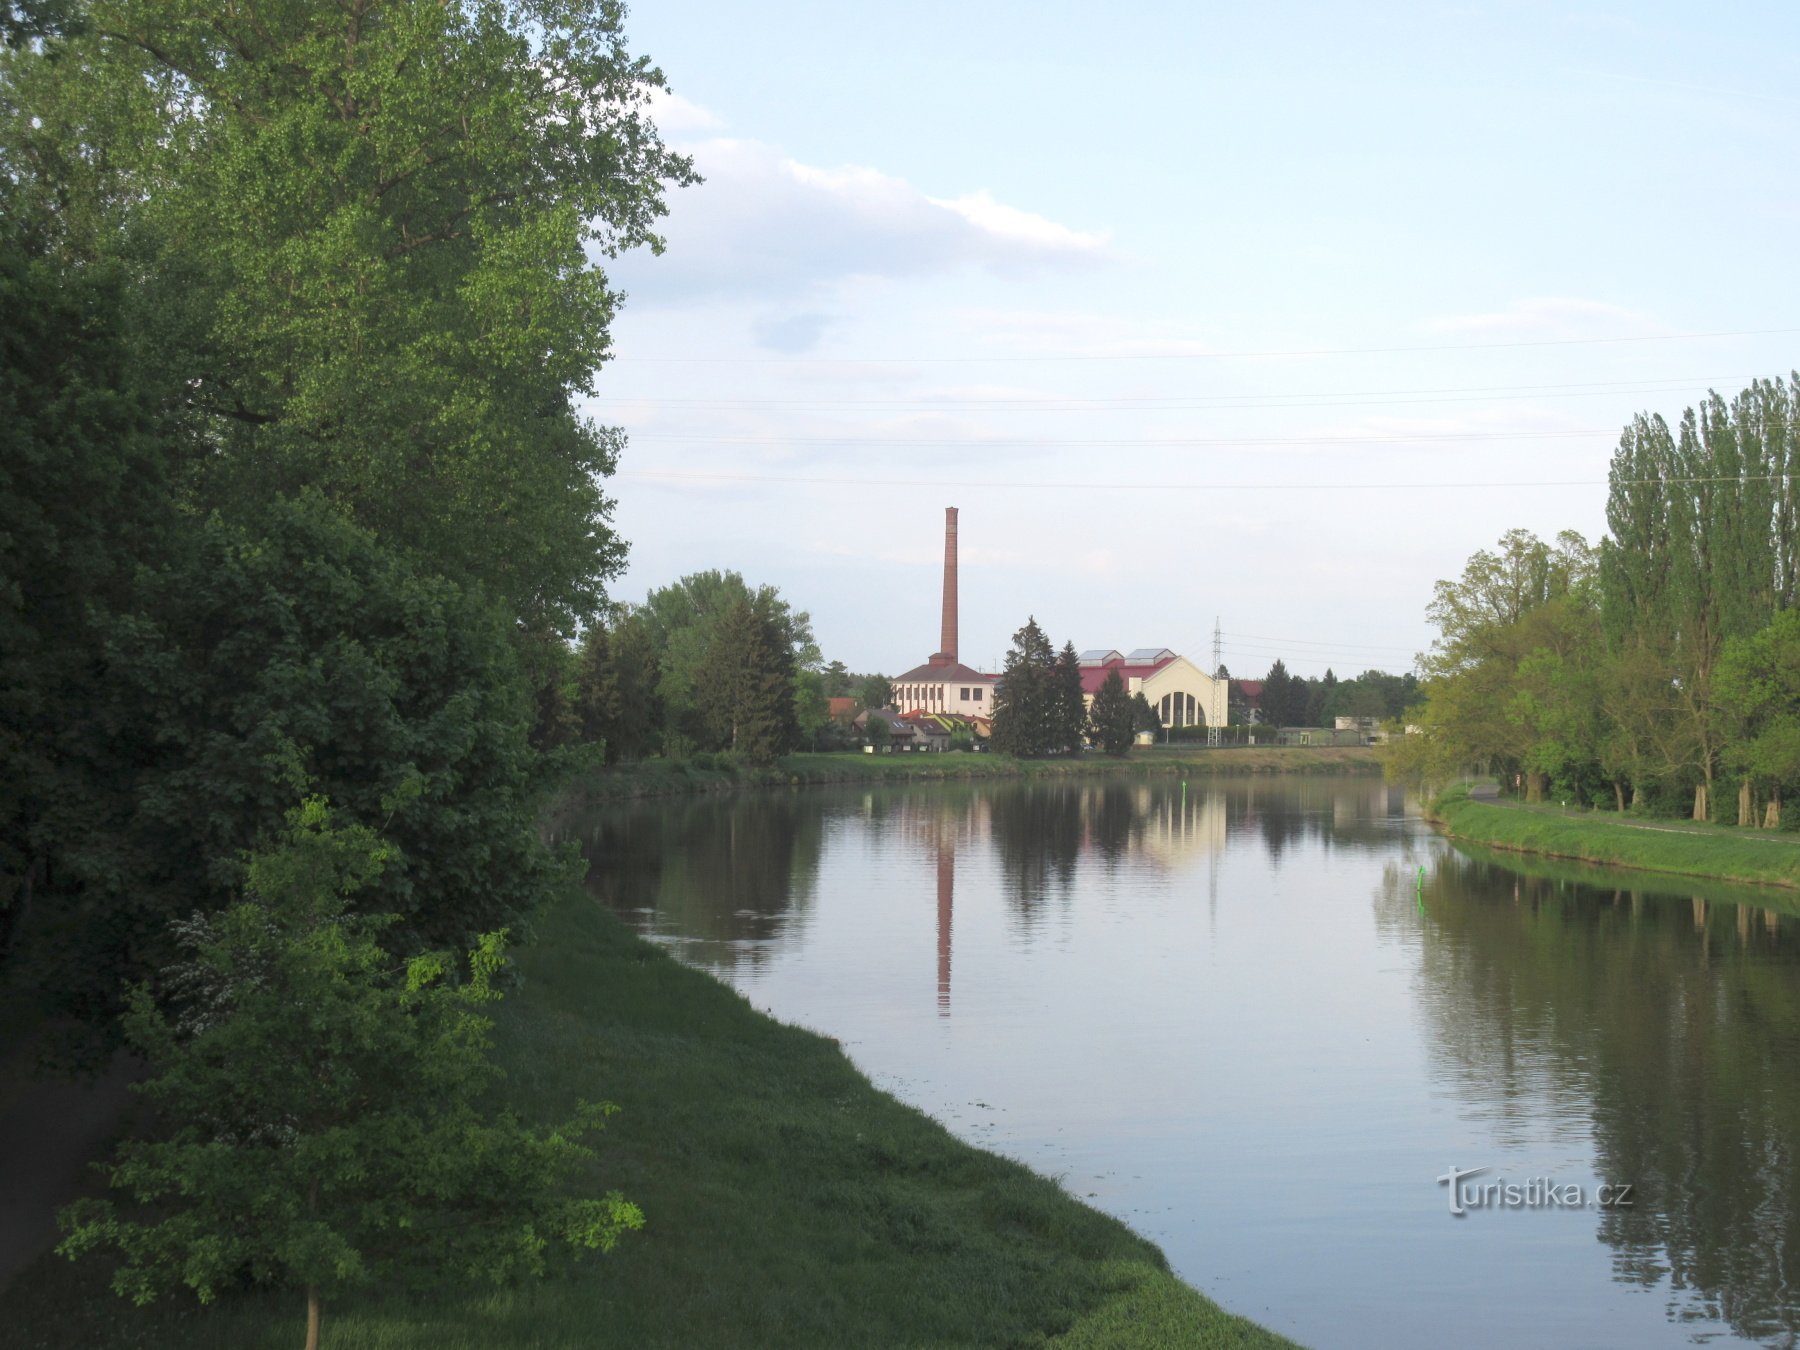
(371, 234)
(1115, 716)
(1029, 718)
(322, 1106)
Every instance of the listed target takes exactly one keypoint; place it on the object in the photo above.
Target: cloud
(764, 225)
(678, 118)
(1552, 317)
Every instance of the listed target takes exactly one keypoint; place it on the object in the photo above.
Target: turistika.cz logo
(1534, 1193)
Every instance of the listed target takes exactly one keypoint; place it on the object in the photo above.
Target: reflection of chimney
(946, 887)
(947, 640)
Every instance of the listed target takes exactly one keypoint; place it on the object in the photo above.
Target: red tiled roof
(839, 707)
(1251, 689)
(1092, 677)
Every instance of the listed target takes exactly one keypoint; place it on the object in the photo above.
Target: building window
(965, 696)
(978, 695)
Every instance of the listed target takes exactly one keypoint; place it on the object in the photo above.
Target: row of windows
(918, 695)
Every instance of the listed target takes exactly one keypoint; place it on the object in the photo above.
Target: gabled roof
(1092, 677)
(1099, 656)
(1149, 656)
(949, 674)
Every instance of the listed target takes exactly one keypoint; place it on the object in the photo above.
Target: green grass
(720, 773)
(1675, 847)
(789, 1203)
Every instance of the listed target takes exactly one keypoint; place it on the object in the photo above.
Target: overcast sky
(1273, 313)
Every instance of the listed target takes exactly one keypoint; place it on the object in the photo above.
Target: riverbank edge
(719, 773)
(789, 1201)
(1716, 857)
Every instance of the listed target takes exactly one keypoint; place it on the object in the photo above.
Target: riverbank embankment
(789, 1202)
(723, 773)
(1679, 848)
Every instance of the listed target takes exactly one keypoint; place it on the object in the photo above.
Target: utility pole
(1213, 731)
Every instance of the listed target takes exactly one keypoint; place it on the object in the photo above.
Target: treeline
(1040, 707)
(707, 664)
(1660, 670)
(294, 489)
(1295, 701)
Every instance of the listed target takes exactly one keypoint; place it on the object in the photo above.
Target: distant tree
(1222, 673)
(811, 710)
(874, 691)
(877, 731)
(314, 1083)
(1758, 688)
(1026, 719)
(681, 619)
(744, 688)
(548, 668)
(1320, 708)
(637, 673)
(1144, 717)
(1071, 705)
(1277, 696)
(596, 700)
(1114, 716)
(837, 679)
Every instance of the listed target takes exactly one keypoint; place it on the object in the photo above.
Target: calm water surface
(1230, 1014)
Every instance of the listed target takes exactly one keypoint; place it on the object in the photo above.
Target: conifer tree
(1071, 706)
(1115, 716)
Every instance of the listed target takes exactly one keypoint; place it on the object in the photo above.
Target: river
(1263, 1020)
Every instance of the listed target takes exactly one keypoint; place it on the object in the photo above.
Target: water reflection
(1179, 997)
(723, 879)
(1664, 1025)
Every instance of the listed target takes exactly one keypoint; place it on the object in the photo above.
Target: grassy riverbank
(789, 1203)
(721, 773)
(1675, 847)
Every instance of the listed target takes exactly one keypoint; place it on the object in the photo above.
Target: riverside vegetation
(283, 647)
(786, 1202)
(1658, 672)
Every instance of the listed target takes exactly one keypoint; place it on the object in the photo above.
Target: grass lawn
(1677, 847)
(789, 1203)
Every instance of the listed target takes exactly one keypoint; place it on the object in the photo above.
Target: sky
(1257, 316)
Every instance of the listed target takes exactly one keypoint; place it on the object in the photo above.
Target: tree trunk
(1772, 812)
(1637, 794)
(1619, 795)
(1746, 805)
(314, 1312)
(1700, 801)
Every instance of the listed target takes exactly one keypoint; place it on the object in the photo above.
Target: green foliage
(1283, 697)
(373, 235)
(680, 621)
(877, 730)
(744, 688)
(1143, 716)
(321, 1106)
(1758, 688)
(1070, 704)
(812, 713)
(1115, 716)
(1028, 716)
(874, 691)
(284, 654)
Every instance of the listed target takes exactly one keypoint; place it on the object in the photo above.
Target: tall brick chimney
(947, 640)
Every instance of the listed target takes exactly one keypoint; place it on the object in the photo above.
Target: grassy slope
(1681, 850)
(789, 1203)
(662, 777)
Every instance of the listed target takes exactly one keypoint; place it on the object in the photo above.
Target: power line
(1089, 443)
(820, 480)
(1198, 356)
(1317, 642)
(1174, 402)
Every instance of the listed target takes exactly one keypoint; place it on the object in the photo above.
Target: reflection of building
(1179, 692)
(944, 684)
